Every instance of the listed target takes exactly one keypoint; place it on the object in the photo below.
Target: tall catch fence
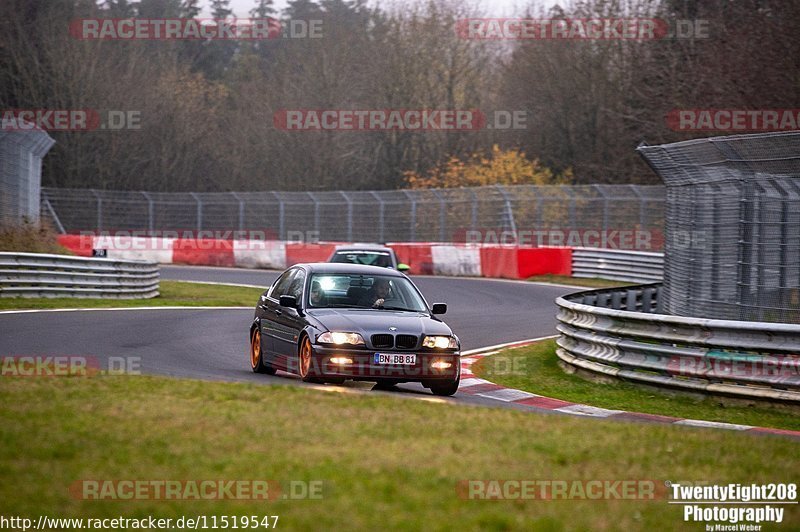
(21, 155)
(733, 226)
(591, 215)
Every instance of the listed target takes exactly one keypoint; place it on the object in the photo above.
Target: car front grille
(382, 341)
(406, 341)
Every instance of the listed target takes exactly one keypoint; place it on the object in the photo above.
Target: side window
(282, 284)
(296, 288)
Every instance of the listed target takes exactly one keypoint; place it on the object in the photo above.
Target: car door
(270, 311)
(290, 322)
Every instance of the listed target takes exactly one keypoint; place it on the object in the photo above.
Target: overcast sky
(494, 8)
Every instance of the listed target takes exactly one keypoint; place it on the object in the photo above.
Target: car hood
(367, 321)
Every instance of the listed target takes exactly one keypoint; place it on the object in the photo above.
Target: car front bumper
(361, 365)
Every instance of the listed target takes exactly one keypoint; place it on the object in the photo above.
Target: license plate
(395, 358)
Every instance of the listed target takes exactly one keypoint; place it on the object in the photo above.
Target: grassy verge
(30, 238)
(384, 463)
(173, 293)
(576, 281)
(535, 370)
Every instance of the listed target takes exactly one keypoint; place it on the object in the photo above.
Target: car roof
(346, 268)
(363, 247)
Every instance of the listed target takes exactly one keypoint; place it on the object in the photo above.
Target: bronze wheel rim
(305, 357)
(255, 348)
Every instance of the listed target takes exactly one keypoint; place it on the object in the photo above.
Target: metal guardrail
(618, 333)
(618, 265)
(43, 275)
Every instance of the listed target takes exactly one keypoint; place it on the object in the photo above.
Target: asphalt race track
(212, 343)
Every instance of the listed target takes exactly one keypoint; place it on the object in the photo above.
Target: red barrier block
(297, 253)
(203, 252)
(418, 256)
(541, 261)
(80, 245)
(499, 261)
(521, 263)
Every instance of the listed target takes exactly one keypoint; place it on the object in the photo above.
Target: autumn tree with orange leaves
(501, 167)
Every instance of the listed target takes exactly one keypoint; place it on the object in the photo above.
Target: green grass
(593, 282)
(173, 293)
(385, 463)
(534, 369)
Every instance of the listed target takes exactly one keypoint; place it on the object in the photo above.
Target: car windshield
(335, 290)
(371, 258)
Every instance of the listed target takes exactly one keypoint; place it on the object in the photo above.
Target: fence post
(571, 205)
(349, 215)
(281, 217)
(473, 223)
(381, 235)
(99, 210)
(642, 206)
(241, 210)
(150, 222)
(413, 217)
(316, 213)
(199, 212)
(442, 215)
(605, 207)
(509, 210)
(49, 206)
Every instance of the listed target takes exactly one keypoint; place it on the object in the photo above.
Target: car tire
(304, 359)
(257, 363)
(445, 389)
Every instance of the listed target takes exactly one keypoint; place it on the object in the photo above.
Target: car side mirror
(439, 308)
(288, 301)
(401, 267)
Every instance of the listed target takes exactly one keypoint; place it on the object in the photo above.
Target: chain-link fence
(733, 226)
(21, 155)
(625, 216)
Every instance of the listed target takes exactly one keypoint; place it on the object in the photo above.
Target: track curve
(212, 343)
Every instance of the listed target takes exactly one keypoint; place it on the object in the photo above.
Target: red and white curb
(472, 385)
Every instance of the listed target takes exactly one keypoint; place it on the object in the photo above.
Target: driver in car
(377, 294)
(317, 296)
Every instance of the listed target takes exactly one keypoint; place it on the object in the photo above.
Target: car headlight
(340, 338)
(440, 342)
